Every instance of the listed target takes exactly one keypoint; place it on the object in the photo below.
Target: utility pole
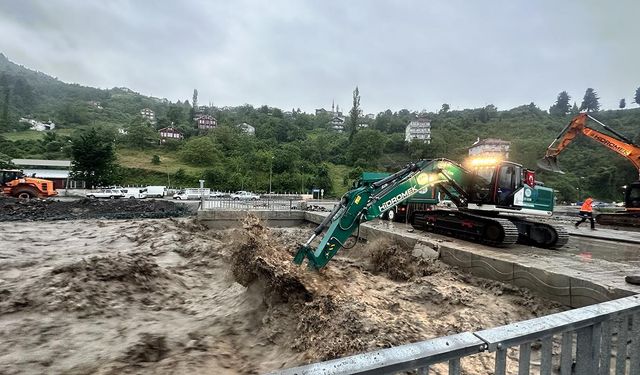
(270, 173)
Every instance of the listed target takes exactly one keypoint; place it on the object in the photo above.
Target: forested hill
(294, 150)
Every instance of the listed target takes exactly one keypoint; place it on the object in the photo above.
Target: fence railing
(260, 204)
(597, 339)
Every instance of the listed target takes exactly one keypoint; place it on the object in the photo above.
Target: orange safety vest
(586, 206)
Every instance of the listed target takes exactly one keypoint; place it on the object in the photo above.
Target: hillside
(292, 150)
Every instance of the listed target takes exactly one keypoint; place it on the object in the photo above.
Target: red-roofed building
(170, 133)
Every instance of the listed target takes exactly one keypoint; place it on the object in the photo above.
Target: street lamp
(271, 174)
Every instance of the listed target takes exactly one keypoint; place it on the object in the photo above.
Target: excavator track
(487, 230)
(539, 234)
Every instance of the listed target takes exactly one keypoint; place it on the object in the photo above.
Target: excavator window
(633, 196)
(509, 179)
(482, 178)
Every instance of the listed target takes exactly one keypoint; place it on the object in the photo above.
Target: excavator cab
(496, 184)
(7, 175)
(632, 195)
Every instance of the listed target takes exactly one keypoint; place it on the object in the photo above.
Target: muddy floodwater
(157, 296)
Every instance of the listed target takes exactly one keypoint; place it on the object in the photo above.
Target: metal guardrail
(260, 204)
(600, 332)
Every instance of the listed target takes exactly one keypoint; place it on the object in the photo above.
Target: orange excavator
(614, 141)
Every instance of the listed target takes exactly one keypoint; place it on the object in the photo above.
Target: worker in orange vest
(586, 212)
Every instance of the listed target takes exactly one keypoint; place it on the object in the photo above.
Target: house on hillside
(170, 133)
(148, 115)
(39, 126)
(206, 122)
(247, 129)
(337, 124)
(491, 147)
(418, 129)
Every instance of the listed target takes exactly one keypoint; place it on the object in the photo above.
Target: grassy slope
(33, 135)
(169, 161)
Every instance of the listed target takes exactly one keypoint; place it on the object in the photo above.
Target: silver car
(244, 195)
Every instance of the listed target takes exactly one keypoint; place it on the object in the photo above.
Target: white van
(192, 193)
(156, 191)
(134, 192)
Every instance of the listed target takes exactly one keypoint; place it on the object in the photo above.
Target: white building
(418, 129)
(149, 115)
(337, 124)
(490, 147)
(39, 126)
(248, 129)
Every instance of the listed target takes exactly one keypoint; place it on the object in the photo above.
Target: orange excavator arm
(578, 125)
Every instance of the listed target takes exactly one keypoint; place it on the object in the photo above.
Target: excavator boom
(368, 202)
(616, 142)
(578, 126)
(480, 199)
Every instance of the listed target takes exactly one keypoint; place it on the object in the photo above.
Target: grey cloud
(411, 54)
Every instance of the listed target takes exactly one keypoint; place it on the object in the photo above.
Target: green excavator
(493, 199)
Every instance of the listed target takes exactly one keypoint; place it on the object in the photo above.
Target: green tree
(354, 114)
(445, 108)
(575, 110)
(200, 151)
(636, 98)
(194, 100)
(5, 161)
(366, 147)
(176, 114)
(155, 160)
(623, 103)
(93, 158)
(590, 102)
(561, 106)
(140, 134)
(6, 91)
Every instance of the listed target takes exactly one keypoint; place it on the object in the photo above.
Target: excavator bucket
(301, 254)
(550, 163)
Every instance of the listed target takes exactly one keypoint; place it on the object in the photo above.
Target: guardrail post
(634, 363)
(585, 356)
(545, 361)
(621, 348)
(605, 348)
(524, 361)
(501, 360)
(566, 355)
(454, 366)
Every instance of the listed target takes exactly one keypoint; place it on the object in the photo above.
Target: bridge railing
(597, 339)
(240, 204)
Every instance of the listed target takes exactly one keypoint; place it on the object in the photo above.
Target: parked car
(106, 194)
(216, 194)
(244, 195)
(134, 193)
(194, 193)
(599, 205)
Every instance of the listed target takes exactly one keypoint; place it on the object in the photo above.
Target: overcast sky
(401, 54)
